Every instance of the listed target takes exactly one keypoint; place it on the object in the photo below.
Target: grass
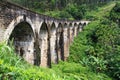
(101, 12)
(13, 67)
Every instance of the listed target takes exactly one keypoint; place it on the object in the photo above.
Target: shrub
(115, 13)
(76, 11)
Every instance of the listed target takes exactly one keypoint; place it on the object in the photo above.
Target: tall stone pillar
(43, 42)
(80, 27)
(66, 42)
(71, 34)
(53, 46)
(60, 43)
(75, 30)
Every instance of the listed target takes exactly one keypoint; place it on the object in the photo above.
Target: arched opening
(79, 29)
(84, 24)
(53, 47)
(23, 40)
(75, 29)
(66, 41)
(60, 43)
(44, 45)
(70, 33)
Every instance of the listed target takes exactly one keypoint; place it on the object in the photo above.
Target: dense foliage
(99, 45)
(12, 67)
(115, 13)
(70, 9)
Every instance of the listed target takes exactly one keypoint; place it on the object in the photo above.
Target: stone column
(53, 46)
(80, 28)
(44, 48)
(59, 55)
(66, 43)
(75, 33)
(71, 35)
(60, 44)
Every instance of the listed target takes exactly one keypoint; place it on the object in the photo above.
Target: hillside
(94, 54)
(99, 42)
(62, 9)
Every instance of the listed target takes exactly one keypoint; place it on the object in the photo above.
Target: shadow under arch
(53, 46)
(74, 30)
(70, 33)
(66, 40)
(14, 23)
(44, 43)
(23, 40)
(60, 42)
(79, 29)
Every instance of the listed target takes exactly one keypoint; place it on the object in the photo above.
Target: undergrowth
(98, 45)
(13, 67)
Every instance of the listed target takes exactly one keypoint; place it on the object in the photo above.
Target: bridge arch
(79, 29)
(23, 40)
(71, 34)
(60, 42)
(75, 29)
(14, 23)
(83, 25)
(66, 40)
(44, 45)
(53, 45)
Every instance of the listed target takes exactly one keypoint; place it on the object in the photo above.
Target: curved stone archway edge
(14, 23)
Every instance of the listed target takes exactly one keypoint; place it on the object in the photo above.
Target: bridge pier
(80, 27)
(71, 32)
(43, 42)
(24, 43)
(66, 42)
(75, 30)
(53, 44)
(60, 43)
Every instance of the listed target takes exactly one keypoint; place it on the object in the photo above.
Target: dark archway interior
(83, 26)
(60, 43)
(74, 29)
(79, 28)
(53, 28)
(53, 44)
(22, 32)
(44, 45)
(70, 26)
(23, 40)
(70, 32)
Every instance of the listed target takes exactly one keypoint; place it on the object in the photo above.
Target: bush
(115, 13)
(98, 48)
(77, 12)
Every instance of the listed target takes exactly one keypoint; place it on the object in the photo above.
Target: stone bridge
(39, 39)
